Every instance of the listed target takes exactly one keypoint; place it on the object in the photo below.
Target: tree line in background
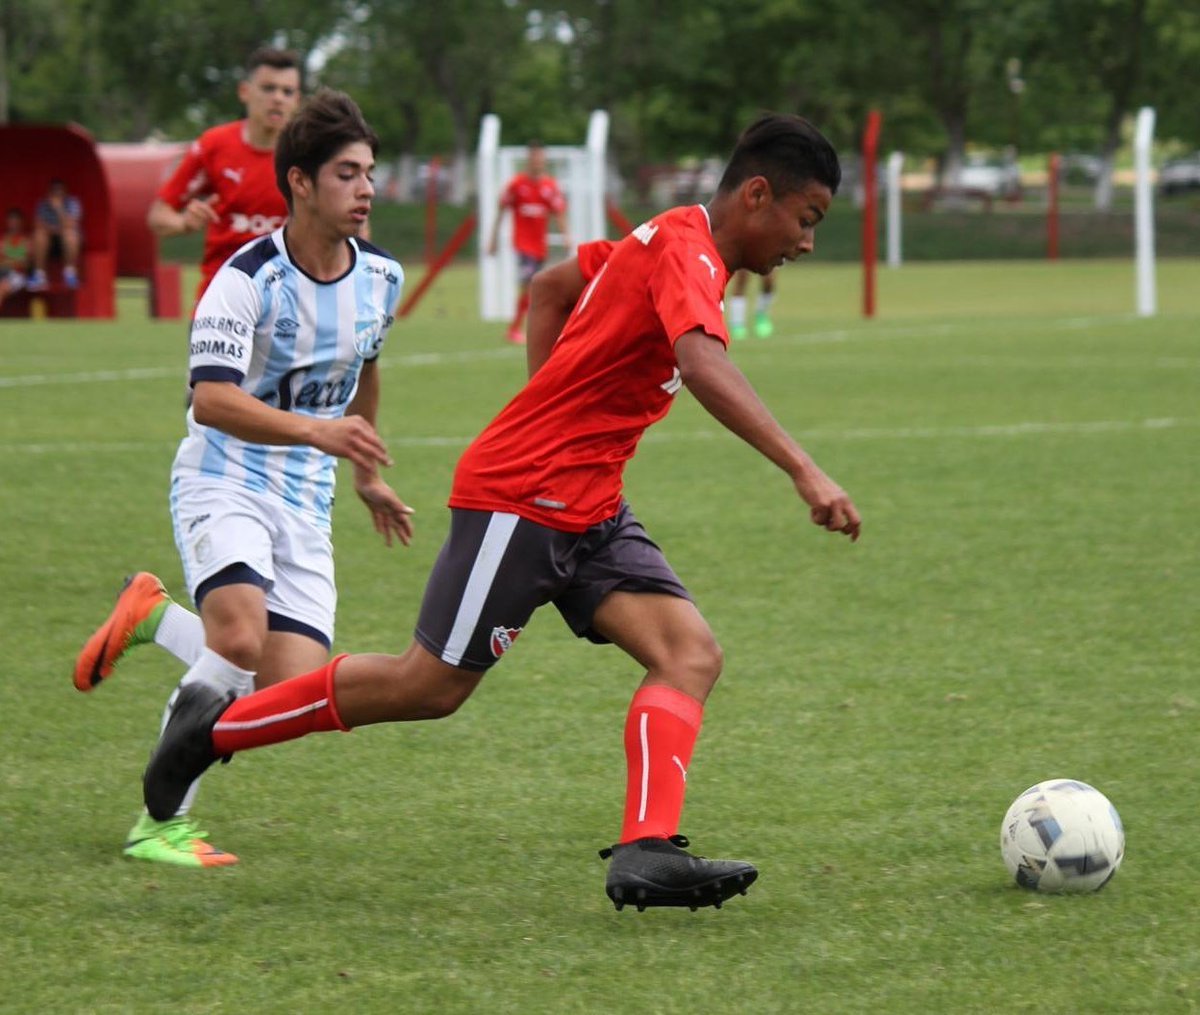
(679, 77)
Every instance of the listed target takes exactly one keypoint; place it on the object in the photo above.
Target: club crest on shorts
(502, 639)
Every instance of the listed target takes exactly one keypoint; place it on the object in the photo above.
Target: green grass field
(1022, 605)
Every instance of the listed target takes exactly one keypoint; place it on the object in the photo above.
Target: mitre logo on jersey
(502, 639)
(674, 384)
(259, 225)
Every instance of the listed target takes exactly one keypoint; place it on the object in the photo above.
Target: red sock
(522, 306)
(280, 712)
(660, 732)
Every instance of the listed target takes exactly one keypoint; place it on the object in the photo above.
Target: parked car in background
(1179, 175)
(991, 176)
(1080, 167)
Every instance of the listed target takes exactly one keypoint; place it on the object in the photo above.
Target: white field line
(984, 432)
(864, 333)
(423, 359)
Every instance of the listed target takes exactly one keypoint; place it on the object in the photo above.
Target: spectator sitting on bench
(14, 253)
(56, 233)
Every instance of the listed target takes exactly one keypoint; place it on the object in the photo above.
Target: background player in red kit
(538, 515)
(225, 184)
(533, 197)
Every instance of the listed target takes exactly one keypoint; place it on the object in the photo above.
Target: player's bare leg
(668, 636)
(416, 685)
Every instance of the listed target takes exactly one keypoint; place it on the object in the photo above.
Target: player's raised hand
(830, 506)
(391, 516)
(199, 213)
(354, 438)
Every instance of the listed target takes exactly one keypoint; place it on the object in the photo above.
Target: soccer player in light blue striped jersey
(283, 364)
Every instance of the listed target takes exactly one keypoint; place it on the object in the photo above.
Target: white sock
(181, 633)
(764, 303)
(737, 311)
(222, 676)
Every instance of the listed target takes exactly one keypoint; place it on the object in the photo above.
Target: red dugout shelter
(30, 156)
(135, 172)
(116, 184)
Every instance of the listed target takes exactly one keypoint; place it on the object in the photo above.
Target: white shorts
(218, 524)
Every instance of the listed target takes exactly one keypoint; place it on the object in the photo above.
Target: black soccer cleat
(657, 872)
(184, 751)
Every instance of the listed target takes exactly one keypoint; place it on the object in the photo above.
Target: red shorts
(496, 568)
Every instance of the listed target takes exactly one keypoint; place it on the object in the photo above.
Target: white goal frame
(580, 172)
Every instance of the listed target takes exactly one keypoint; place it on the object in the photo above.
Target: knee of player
(702, 657)
(441, 702)
(240, 644)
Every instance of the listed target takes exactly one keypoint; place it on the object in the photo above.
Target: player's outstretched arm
(725, 393)
(225, 406)
(553, 294)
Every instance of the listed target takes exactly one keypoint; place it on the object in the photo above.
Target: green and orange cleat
(179, 842)
(133, 621)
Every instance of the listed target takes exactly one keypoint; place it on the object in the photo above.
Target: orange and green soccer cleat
(179, 841)
(133, 621)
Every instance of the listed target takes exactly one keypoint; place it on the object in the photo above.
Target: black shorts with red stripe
(496, 568)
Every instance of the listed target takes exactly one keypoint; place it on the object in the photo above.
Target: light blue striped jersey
(295, 344)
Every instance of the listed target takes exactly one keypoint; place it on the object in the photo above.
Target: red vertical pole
(431, 196)
(461, 235)
(1052, 207)
(870, 239)
(618, 220)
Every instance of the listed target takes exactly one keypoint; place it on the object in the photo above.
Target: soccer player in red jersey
(533, 197)
(538, 514)
(225, 183)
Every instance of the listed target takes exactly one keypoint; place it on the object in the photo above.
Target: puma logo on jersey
(674, 384)
(234, 174)
(711, 267)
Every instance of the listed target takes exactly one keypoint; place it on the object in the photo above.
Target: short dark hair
(325, 124)
(787, 150)
(269, 56)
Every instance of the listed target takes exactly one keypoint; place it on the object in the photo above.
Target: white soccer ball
(1062, 836)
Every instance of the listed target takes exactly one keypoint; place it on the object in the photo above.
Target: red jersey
(249, 203)
(532, 200)
(557, 451)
